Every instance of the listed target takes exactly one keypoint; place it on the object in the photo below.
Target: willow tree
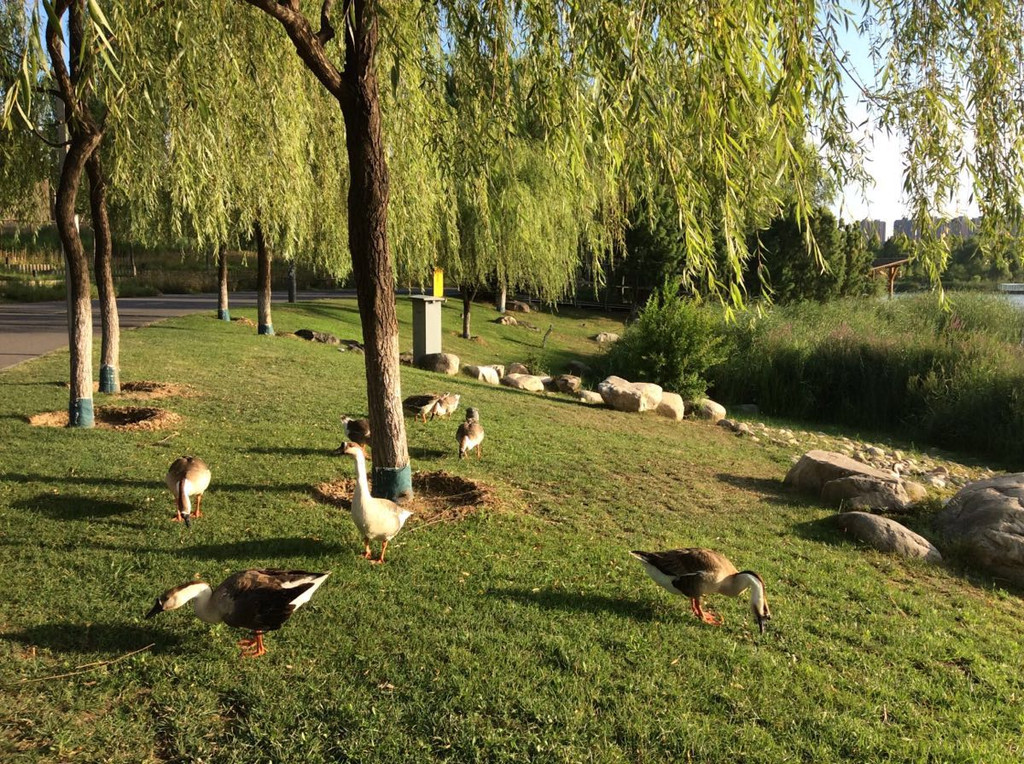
(74, 68)
(717, 97)
(220, 151)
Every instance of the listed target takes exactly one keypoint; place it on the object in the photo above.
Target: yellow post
(438, 282)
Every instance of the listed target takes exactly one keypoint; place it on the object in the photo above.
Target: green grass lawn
(525, 632)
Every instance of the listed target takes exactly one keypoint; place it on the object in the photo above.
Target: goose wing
(264, 599)
(692, 571)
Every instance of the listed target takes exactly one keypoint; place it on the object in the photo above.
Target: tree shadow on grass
(636, 610)
(769, 489)
(422, 452)
(111, 639)
(824, 531)
(269, 549)
(290, 451)
(73, 507)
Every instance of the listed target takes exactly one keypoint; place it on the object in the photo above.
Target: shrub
(952, 378)
(673, 342)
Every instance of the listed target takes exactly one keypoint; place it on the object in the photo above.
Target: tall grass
(949, 377)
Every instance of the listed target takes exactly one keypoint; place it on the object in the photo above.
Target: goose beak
(762, 621)
(157, 608)
(188, 521)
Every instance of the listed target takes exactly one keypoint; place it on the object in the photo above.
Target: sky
(884, 158)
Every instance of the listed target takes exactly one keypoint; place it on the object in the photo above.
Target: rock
(354, 345)
(405, 359)
(727, 424)
(517, 368)
(623, 395)
(985, 521)
(488, 374)
(442, 363)
(866, 492)
(836, 478)
(749, 409)
(567, 383)
(705, 408)
(518, 305)
(506, 320)
(313, 336)
(526, 382)
(589, 396)
(578, 368)
(671, 406)
(604, 337)
(887, 535)
(742, 428)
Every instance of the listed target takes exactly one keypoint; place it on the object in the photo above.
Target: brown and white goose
(420, 405)
(187, 477)
(446, 405)
(697, 572)
(377, 519)
(356, 431)
(470, 434)
(261, 600)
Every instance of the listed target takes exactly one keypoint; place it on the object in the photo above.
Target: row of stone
(984, 521)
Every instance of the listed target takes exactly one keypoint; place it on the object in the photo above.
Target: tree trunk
(110, 352)
(355, 88)
(80, 405)
(467, 306)
(371, 257)
(223, 312)
(502, 296)
(266, 325)
(291, 281)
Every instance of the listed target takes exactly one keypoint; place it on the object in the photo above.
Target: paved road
(29, 329)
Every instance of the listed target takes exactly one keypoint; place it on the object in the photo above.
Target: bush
(951, 378)
(673, 343)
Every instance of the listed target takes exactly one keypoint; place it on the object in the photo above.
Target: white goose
(261, 600)
(376, 519)
(696, 572)
(186, 477)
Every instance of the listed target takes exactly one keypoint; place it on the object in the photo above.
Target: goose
(470, 434)
(186, 477)
(446, 405)
(260, 600)
(420, 405)
(376, 519)
(356, 430)
(696, 572)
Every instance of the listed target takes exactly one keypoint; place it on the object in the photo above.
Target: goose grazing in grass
(376, 519)
(356, 431)
(697, 572)
(260, 600)
(470, 434)
(446, 405)
(420, 405)
(187, 477)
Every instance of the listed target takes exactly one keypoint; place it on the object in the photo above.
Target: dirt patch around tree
(123, 418)
(439, 497)
(148, 390)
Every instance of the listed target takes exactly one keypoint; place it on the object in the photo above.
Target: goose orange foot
(252, 648)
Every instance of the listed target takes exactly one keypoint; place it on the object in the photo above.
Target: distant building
(905, 226)
(962, 227)
(873, 229)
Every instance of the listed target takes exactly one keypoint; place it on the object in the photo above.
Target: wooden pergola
(890, 267)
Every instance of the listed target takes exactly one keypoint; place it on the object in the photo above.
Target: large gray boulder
(604, 337)
(705, 408)
(314, 336)
(489, 374)
(589, 396)
(887, 535)
(839, 480)
(518, 368)
(672, 406)
(567, 383)
(623, 395)
(442, 363)
(527, 382)
(985, 522)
